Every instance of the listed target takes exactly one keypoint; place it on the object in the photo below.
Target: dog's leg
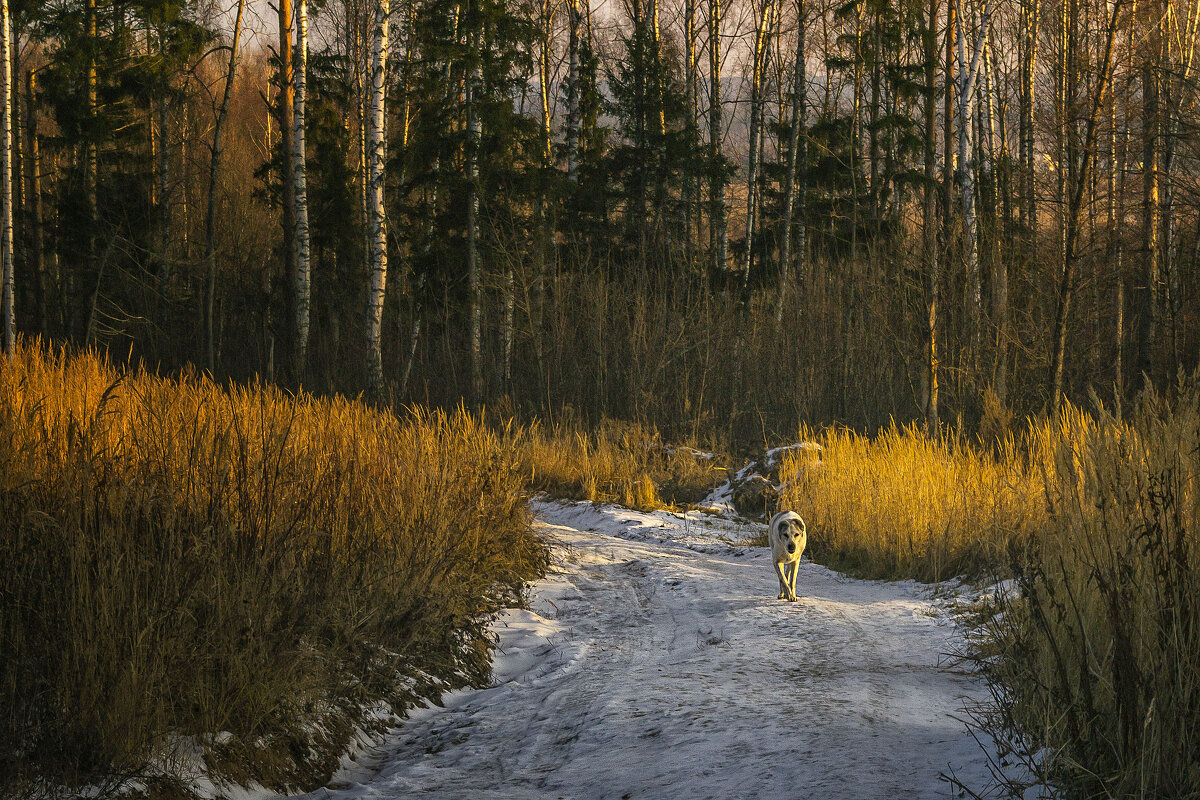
(783, 585)
(793, 572)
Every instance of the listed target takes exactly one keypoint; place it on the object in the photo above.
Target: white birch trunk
(33, 173)
(797, 141)
(377, 223)
(473, 278)
(162, 169)
(6, 187)
(762, 33)
(573, 99)
(967, 74)
(300, 190)
(1028, 205)
(718, 230)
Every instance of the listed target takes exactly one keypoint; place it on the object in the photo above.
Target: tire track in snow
(655, 661)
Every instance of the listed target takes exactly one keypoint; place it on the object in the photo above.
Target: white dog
(788, 536)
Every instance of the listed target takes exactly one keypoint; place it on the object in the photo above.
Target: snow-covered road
(655, 662)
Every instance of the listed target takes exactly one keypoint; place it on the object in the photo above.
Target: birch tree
(287, 146)
(691, 77)
(929, 231)
(797, 163)
(763, 25)
(968, 72)
(7, 306)
(303, 280)
(474, 134)
(1148, 295)
(718, 229)
(573, 94)
(376, 217)
(1030, 13)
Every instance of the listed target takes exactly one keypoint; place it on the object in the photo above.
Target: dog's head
(788, 533)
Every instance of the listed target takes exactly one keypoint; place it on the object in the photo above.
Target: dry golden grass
(182, 559)
(1094, 658)
(906, 505)
(615, 463)
(1099, 667)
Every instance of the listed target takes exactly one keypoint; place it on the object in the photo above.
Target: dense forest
(721, 217)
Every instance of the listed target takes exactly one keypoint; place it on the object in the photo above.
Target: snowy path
(655, 662)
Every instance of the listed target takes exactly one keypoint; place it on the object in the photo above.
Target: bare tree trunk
(548, 9)
(797, 161)
(8, 297)
(762, 33)
(1001, 216)
(90, 161)
(299, 177)
(967, 74)
(33, 176)
(1167, 252)
(948, 131)
(573, 98)
(543, 232)
(932, 258)
(377, 220)
(1072, 213)
(1030, 12)
(691, 77)
(185, 205)
(287, 146)
(362, 77)
(214, 169)
(1116, 248)
(162, 170)
(474, 132)
(718, 229)
(1148, 290)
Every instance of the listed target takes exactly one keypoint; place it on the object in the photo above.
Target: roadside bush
(615, 463)
(1094, 657)
(182, 559)
(903, 504)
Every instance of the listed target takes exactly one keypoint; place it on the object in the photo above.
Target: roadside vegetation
(617, 463)
(233, 570)
(1092, 645)
(904, 504)
(1094, 655)
(235, 578)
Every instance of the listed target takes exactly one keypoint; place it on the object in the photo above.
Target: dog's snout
(791, 547)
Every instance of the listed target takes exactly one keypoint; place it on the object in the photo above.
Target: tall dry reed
(615, 462)
(1095, 656)
(903, 504)
(182, 559)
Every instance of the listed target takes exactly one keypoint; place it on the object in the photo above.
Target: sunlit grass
(617, 463)
(904, 504)
(1097, 686)
(181, 559)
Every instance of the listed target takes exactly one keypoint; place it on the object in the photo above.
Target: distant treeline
(721, 218)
